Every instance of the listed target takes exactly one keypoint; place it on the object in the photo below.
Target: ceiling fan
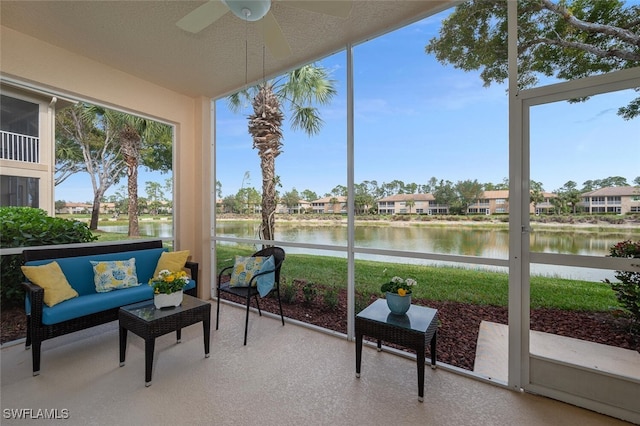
(255, 10)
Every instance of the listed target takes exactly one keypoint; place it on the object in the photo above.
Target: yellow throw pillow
(51, 278)
(172, 261)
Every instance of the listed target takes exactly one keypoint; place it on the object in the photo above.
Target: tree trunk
(132, 185)
(265, 127)
(267, 164)
(131, 153)
(95, 212)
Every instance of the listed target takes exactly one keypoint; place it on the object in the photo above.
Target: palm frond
(306, 118)
(236, 101)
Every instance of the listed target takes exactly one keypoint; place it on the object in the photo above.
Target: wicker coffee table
(412, 330)
(148, 322)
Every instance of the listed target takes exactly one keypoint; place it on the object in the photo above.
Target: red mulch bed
(458, 332)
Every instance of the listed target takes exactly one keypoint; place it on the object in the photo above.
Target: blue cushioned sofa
(90, 308)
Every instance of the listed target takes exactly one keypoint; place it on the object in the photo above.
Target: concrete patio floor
(493, 346)
(287, 375)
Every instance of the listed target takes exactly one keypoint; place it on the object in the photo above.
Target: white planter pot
(167, 300)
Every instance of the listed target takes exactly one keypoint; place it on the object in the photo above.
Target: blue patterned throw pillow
(114, 275)
(267, 281)
(244, 269)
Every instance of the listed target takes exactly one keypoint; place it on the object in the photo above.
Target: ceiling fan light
(257, 8)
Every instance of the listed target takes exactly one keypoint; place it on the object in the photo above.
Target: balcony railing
(18, 147)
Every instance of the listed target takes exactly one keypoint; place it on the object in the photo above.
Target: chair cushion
(115, 274)
(93, 303)
(171, 261)
(51, 278)
(244, 268)
(79, 271)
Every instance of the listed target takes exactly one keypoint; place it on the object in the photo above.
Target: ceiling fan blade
(274, 38)
(339, 8)
(203, 16)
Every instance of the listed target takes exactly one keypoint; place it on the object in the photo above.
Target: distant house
(497, 202)
(612, 199)
(303, 206)
(490, 202)
(546, 206)
(85, 208)
(410, 203)
(75, 208)
(334, 205)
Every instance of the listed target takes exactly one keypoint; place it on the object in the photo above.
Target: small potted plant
(167, 288)
(398, 294)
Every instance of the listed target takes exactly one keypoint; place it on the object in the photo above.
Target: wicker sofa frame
(37, 332)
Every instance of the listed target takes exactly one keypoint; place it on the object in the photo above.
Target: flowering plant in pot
(167, 288)
(398, 294)
(168, 282)
(399, 286)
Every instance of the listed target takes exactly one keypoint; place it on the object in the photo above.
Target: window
(19, 130)
(19, 116)
(19, 191)
(613, 200)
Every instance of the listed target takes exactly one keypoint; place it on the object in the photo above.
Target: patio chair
(249, 277)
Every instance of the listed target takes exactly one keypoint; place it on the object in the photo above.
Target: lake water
(456, 240)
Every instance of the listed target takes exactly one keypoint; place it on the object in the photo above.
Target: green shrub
(362, 300)
(628, 289)
(287, 291)
(309, 292)
(28, 227)
(330, 298)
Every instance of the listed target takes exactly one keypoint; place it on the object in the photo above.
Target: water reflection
(147, 229)
(457, 240)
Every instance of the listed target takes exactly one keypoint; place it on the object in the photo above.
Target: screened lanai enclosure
(399, 113)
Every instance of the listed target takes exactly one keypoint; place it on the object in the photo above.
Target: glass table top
(417, 318)
(147, 311)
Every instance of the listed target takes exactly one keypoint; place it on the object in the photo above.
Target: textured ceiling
(141, 37)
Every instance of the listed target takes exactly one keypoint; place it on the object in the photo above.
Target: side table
(412, 330)
(144, 320)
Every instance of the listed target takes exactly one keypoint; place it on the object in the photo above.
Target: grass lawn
(439, 282)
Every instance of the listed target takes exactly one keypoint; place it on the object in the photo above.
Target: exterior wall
(631, 204)
(493, 202)
(397, 204)
(32, 62)
(45, 167)
(617, 200)
(302, 205)
(323, 205)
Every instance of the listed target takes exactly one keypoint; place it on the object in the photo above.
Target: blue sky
(416, 119)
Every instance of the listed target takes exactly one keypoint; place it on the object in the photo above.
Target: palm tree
(133, 131)
(410, 204)
(299, 90)
(537, 194)
(332, 204)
